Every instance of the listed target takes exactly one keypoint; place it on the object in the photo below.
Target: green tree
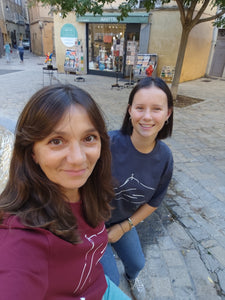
(190, 16)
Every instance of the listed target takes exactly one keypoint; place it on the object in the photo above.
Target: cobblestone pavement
(184, 240)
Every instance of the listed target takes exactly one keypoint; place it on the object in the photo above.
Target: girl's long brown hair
(29, 194)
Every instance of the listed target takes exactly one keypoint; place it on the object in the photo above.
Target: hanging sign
(68, 35)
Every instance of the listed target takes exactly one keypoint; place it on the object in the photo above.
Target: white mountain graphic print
(132, 190)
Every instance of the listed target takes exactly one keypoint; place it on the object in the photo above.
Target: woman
(20, 50)
(53, 208)
(142, 166)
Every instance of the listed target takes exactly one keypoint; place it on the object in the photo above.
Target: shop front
(112, 46)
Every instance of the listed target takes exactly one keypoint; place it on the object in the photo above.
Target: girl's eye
(56, 142)
(139, 108)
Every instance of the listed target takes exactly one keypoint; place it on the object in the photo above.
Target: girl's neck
(143, 145)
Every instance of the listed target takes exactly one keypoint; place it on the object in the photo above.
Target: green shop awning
(135, 17)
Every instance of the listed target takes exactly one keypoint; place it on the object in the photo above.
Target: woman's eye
(56, 142)
(139, 108)
(90, 138)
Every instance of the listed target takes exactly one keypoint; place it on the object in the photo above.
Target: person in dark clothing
(21, 50)
(142, 165)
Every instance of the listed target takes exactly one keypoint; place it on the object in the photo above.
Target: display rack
(118, 63)
(144, 61)
(167, 73)
(74, 61)
(131, 58)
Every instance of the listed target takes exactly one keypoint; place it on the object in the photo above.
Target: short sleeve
(162, 187)
(23, 264)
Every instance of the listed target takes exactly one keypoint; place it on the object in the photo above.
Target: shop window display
(106, 47)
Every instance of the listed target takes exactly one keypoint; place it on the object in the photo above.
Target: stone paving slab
(184, 240)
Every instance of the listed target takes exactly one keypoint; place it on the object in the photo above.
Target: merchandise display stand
(130, 83)
(49, 71)
(116, 85)
(131, 57)
(144, 61)
(74, 61)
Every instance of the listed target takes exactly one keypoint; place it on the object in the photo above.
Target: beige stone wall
(165, 39)
(48, 38)
(197, 52)
(36, 39)
(60, 48)
(41, 30)
(165, 35)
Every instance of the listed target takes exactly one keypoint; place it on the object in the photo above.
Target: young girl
(53, 208)
(142, 166)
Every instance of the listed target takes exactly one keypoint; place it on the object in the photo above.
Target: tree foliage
(191, 14)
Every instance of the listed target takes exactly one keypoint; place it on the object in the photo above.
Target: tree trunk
(179, 63)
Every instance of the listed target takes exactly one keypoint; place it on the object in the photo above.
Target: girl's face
(69, 154)
(149, 112)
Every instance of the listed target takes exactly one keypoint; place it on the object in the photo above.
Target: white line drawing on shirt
(133, 190)
(89, 257)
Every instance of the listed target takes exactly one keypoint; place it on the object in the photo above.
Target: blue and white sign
(68, 35)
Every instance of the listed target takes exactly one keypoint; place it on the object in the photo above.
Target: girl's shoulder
(163, 150)
(117, 139)
(164, 147)
(116, 135)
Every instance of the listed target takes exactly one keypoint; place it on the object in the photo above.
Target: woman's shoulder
(13, 224)
(23, 239)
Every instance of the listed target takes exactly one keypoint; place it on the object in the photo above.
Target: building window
(106, 47)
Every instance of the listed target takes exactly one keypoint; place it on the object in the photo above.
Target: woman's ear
(129, 108)
(34, 158)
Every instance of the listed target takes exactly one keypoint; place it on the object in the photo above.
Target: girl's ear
(169, 112)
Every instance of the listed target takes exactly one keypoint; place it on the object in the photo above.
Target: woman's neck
(143, 145)
(73, 196)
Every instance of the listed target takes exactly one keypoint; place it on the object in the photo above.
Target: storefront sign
(112, 18)
(68, 35)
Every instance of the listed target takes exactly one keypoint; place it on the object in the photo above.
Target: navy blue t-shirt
(140, 178)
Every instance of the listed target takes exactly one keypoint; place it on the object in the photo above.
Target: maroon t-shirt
(35, 264)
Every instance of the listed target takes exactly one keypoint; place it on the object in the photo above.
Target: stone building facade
(41, 29)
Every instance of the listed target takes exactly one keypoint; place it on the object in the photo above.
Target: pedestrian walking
(56, 201)
(7, 52)
(20, 50)
(142, 166)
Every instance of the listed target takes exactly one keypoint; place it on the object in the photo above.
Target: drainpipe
(212, 50)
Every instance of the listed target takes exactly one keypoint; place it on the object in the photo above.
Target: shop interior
(106, 47)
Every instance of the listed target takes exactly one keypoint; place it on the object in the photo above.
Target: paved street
(184, 240)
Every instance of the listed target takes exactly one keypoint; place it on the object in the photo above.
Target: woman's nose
(76, 154)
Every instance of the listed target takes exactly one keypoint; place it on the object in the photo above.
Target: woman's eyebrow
(61, 132)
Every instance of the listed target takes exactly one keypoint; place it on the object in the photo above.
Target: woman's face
(148, 112)
(69, 154)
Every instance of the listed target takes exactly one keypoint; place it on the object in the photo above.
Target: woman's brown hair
(29, 194)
